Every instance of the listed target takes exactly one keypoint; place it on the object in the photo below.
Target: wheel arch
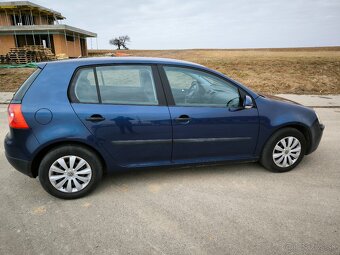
(43, 151)
(298, 126)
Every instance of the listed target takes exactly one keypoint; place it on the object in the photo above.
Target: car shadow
(169, 174)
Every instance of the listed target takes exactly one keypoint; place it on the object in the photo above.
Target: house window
(70, 38)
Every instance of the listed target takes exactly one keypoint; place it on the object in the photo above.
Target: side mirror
(247, 102)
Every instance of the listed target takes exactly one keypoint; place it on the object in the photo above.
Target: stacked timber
(3, 59)
(20, 56)
(30, 53)
(41, 53)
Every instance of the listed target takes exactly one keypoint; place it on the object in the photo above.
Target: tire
(79, 180)
(278, 158)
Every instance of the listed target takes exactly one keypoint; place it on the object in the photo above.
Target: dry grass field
(272, 71)
(298, 71)
(12, 78)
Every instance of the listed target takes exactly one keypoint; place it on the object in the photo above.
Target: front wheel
(284, 150)
(70, 171)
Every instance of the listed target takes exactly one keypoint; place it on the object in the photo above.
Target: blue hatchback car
(72, 121)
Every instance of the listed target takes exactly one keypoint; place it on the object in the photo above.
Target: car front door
(209, 122)
(123, 106)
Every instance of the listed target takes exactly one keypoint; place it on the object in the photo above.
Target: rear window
(19, 95)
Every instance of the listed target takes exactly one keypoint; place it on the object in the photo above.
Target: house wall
(40, 20)
(6, 42)
(69, 48)
(4, 20)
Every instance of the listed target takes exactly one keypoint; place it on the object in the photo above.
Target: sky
(190, 24)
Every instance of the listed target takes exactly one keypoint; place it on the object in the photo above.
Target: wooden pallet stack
(30, 53)
(3, 59)
(41, 53)
(20, 56)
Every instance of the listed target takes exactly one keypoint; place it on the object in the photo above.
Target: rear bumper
(316, 132)
(22, 166)
(19, 147)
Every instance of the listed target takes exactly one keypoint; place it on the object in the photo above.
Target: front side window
(191, 87)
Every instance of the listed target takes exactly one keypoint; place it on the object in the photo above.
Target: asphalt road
(230, 209)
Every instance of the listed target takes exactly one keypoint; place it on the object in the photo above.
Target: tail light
(15, 117)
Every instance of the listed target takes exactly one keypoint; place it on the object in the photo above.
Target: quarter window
(191, 87)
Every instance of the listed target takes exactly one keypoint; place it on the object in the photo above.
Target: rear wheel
(284, 150)
(70, 171)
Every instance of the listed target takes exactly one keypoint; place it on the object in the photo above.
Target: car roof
(120, 60)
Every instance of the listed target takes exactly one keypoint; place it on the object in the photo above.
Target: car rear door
(124, 108)
(208, 122)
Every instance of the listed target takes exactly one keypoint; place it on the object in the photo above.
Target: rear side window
(126, 85)
(19, 95)
(118, 84)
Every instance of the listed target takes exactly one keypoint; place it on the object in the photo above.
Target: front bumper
(316, 132)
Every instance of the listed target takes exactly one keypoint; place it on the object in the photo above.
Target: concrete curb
(316, 101)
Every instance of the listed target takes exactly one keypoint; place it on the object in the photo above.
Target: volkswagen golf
(72, 121)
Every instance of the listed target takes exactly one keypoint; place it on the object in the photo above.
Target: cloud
(171, 24)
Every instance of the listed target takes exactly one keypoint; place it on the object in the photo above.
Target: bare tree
(120, 41)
